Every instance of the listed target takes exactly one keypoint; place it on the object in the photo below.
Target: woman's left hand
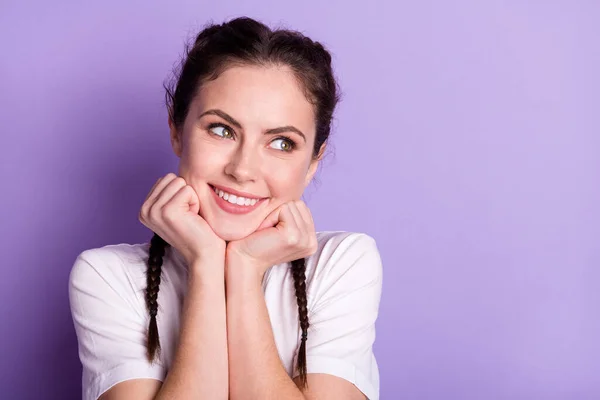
(287, 234)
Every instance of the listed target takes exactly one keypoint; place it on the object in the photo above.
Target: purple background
(467, 144)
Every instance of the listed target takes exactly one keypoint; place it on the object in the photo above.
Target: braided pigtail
(153, 272)
(298, 272)
(247, 42)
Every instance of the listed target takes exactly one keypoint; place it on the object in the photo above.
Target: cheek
(287, 183)
(203, 159)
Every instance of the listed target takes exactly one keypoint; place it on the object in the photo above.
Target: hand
(171, 210)
(287, 234)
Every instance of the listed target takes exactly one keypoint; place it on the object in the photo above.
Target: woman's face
(251, 131)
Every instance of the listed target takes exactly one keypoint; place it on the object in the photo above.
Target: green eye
(283, 144)
(221, 130)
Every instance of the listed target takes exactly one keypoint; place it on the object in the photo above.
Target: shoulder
(342, 247)
(114, 259)
(351, 255)
(340, 241)
(115, 268)
(106, 295)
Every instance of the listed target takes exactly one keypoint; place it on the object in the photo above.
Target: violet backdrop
(467, 143)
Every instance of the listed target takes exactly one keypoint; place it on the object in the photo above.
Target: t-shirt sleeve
(109, 323)
(343, 312)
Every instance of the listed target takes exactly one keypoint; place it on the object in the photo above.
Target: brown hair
(244, 41)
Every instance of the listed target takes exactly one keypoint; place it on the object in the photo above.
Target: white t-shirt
(343, 283)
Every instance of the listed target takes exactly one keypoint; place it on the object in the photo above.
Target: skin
(253, 162)
(281, 229)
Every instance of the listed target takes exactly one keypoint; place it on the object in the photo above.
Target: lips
(234, 208)
(237, 193)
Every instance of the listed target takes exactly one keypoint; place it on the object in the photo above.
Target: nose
(243, 164)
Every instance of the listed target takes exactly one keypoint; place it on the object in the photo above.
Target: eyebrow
(232, 121)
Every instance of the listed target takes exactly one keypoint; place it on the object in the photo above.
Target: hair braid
(298, 272)
(245, 41)
(153, 272)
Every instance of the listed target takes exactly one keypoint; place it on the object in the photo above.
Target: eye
(221, 130)
(283, 144)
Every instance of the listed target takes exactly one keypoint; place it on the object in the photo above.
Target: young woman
(236, 296)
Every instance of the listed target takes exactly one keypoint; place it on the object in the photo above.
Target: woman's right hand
(171, 211)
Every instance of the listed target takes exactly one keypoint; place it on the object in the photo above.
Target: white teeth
(233, 199)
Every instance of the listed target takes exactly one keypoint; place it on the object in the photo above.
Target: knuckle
(143, 211)
(293, 239)
(154, 214)
(167, 214)
(188, 192)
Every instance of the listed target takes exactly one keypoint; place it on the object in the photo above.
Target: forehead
(259, 97)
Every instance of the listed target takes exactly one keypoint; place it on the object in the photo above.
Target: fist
(171, 210)
(287, 234)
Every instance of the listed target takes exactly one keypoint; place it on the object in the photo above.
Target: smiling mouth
(236, 200)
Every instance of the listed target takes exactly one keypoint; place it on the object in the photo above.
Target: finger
(152, 188)
(185, 198)
(307, 234)
(310, 234)
(306, 214)
(271, 220)
(289, 227)
(167, 194)
(158, 187)
(154, 192)
(297, 217)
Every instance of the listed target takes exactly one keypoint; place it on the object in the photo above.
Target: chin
(230, 232)
(231, 227)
